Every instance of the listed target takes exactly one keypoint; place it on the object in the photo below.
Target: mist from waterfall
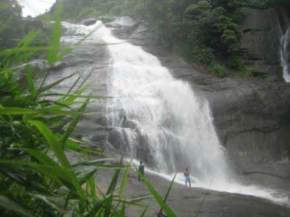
(160, 119)
(284, 55)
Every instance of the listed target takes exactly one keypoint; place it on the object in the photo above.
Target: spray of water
(162, 119)
(284, 55)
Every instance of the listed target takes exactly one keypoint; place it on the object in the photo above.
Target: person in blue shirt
(187, 178)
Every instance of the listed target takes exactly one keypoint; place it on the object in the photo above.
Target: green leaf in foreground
(52, 141)
(54, 46)
(163, 205)
(8, 204)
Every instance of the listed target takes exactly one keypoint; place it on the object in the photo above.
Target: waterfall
(160, 119)
(162, 116)
(284, 55)
(35, 8)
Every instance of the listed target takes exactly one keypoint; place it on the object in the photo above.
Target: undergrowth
(37, 178)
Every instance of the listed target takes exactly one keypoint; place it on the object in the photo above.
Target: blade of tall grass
(158, 198)
(84, 178)
(144, 211)
(98, 206)
(95, 162)
(92, 184)
(134, 201)
(11, 205)
(124, 182)
(74, 122)
(54, 45)
(11, 52)
(168, 191)
(25, 111)
(48, 200)
(76, 95)
(4, 6)
(30, 82)
(28, 39)
(16, 111)
(55, 83)
(40, 156)
(53, 142)
(73, 85)
(114, 182)
(108, 205)
(63, 175)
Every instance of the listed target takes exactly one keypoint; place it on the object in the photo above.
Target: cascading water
(160, 119)
(284, 55)
(163, 116)
(35, 8)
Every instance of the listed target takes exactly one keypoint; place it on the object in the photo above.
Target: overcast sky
(35, 7)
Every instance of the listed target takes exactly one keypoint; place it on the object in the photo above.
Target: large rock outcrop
(250, 114)
(260, 41)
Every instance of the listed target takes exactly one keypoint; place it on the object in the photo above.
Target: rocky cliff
(250, 114)
(261, 31)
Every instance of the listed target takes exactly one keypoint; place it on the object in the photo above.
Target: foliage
(235, 62)
(216, 26)
(264, 4)
(37, 178)
(203, 31)
(218, 69)
(78, 10)
(13, 28)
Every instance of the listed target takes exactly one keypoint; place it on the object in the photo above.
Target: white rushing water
(161, 119)
(284, 55)
(34, 8)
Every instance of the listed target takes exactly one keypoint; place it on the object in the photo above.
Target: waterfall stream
(160, 119)
(284, 55)
(35, 8)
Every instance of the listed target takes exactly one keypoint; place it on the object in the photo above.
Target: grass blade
(168, 191)
(114, 182)
(54, 46)
(169, 212)
(74, 122)
(9, 204)
(52, 141)
(30, 82)
(124, 183)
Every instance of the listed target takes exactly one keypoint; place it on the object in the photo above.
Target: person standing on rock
(141, 171)
(187, 178)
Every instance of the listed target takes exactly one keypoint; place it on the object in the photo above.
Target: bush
(219, 70)
(235, 62)
(37, 178)
(245, 72)
(203, 55)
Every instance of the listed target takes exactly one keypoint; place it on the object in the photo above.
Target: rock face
(261, 33)
(250, 115)
(89, 21)
(88, 62)
(195, 202)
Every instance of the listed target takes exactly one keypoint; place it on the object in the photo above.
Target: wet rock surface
(248, 114)
(197, 202)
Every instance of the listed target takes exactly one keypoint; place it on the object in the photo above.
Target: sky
(34, 8)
